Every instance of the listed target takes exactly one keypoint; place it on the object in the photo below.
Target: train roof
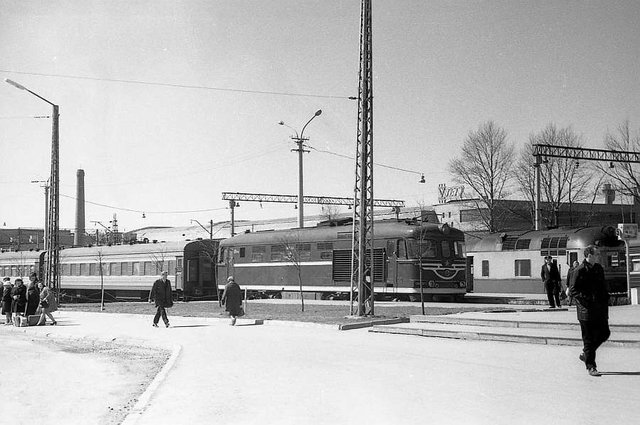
(326, 232)
(160, 247)
(535, 239)
(20, 255)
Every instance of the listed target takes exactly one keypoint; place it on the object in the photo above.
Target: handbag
(240, 312)
(44, 304)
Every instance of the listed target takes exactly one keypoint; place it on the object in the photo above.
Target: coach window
(114, 269)
(171, 266)
(149, 268)
(93, 269)
(485, 268)
(84, 269)
(242, 252)
(135, 269)
(523, 268)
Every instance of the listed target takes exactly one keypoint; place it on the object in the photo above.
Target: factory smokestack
(78, 237)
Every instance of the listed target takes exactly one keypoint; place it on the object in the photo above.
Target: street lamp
(210, 230)
(299, 139)
(52, 245)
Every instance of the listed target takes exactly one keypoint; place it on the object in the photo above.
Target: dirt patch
(101, 380)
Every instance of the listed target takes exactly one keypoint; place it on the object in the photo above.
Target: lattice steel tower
(362, 276)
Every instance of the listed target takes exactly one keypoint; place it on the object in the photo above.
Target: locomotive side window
(304, 251)
(458, 249)
(277, 252)
(523, 268)
(326, 250)
(401, 251)
(242, 252)
(257, 253)
(485, 268)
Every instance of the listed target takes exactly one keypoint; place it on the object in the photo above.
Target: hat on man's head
(7, 283)
(230, 279)
(548, 257)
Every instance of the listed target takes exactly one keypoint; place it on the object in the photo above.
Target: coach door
(179, 284)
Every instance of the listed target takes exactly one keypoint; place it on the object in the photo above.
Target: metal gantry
(541, 151)
(233, 197)
(362, 245)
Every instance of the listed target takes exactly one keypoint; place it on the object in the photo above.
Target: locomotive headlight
(463, 284)
(432, 284)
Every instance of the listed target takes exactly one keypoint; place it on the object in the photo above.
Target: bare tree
(625, 177)
(562, 180)
(330, 212)
(99, 257)
(485, 166)
(295, 252)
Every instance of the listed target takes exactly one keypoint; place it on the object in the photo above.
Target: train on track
(406, 255)
(511, 262)
(125, 272)
(411, 259)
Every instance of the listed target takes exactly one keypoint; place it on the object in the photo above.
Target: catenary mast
(362, 273)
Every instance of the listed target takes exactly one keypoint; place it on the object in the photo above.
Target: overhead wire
(182, 86)
(144, 211)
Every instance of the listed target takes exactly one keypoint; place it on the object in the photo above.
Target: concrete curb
(522, 324)
(487, 335)
(373, 322)
(138, 409)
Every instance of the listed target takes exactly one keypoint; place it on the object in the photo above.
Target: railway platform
(526, 325)
(284, 373)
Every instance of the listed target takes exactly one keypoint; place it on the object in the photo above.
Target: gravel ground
(73, 381)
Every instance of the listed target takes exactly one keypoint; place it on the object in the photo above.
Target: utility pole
(45, 184)
(363, 236)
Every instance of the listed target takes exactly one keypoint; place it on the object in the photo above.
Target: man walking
(590, 292)
(161, 294)
(550, 276)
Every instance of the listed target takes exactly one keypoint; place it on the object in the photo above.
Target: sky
(167, 104)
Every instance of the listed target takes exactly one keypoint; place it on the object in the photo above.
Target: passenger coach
(405, 253)
(511, 262)
(128, 271)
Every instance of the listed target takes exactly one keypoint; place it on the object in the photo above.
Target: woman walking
(46, 303)
(232, 299)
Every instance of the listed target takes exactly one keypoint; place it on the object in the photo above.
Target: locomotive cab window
(425, 248)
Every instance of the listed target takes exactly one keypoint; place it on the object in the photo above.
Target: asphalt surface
(286, 373)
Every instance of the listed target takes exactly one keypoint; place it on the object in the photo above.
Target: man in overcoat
(591, 294)
(550, 276)
(161, 294)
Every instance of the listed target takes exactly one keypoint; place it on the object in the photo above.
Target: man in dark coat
(590, 292)
(161, 294)
(232, 299)
(550, 276)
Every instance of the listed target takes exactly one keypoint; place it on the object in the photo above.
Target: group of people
(20, 300)
(586, 286)
(161, 295)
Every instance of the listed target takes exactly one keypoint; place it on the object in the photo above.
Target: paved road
(310, 374)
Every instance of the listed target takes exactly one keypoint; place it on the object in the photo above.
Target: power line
(145, 211)
(375, 163)
(181, 86)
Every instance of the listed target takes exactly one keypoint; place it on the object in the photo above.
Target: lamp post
(299, 139)
(52, 245)
(210, 230)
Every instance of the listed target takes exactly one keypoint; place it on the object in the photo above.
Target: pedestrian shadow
(189, 326)
(620, 373)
